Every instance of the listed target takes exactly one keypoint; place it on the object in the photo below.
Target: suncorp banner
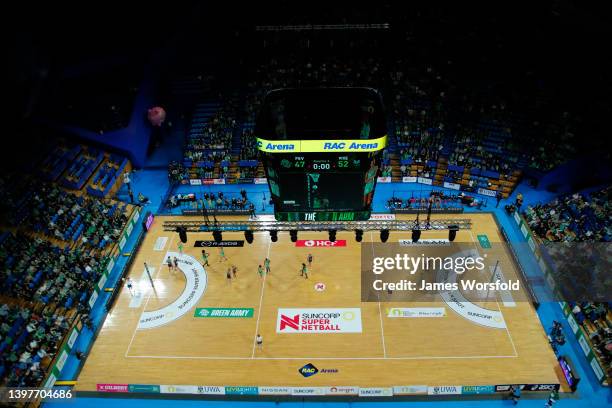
(339, 320)
(375, 392)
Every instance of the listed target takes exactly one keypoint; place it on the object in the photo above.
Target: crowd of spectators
(435, 199)
(248, 144)
(69, 217)
(213, 201)
(246, 172)
(29, 340)
(212, 140)
(176, 172)
(574, 229)
(293, 71)
(593, 317)
(224, 201)
(35, 269)
(576, 217)
(53, 258)
(432, 116)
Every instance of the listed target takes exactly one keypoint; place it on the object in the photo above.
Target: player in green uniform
(222, 256)
(304, 271)
(204, 258)
(260, 271)
(267, 265)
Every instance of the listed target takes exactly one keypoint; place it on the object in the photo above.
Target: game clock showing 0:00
(320, 187)
(315, 162)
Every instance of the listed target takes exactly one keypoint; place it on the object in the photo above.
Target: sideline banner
(112, 387)
(376, 392)
(444, 390)
(384, 217)
(489, 193)
(410, 390)
(425, 242)
(320, 243)
(275, 390)
(477, 389)
(453, 186)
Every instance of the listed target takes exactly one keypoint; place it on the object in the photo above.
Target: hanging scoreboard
(321, 150)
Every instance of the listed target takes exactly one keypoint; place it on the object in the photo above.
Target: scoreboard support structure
(370, 225)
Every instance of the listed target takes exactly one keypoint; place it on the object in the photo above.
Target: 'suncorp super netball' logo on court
(320, 243)
(342, 320)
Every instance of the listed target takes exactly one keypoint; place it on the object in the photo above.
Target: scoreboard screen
(308, 184)
(331, 175)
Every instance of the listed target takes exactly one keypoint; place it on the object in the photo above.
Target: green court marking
(484, 241)
(244, 312)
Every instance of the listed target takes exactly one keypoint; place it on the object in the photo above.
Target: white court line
(316, 358)
(161, 265)
(508, 331)
(319, 358)
(137, 297)
(498, 307)
(263, 283)
(382, 330)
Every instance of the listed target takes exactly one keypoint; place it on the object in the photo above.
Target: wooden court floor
(388, 352)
